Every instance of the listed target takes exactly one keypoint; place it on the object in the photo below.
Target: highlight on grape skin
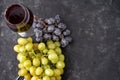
(39, 61)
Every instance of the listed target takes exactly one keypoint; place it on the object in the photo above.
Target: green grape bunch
(39, 61)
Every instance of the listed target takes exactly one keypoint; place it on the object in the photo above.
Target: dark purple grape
(62, 26)
(57, 31)
(38, 39)
(50, 21)
(68, 38)
(64, 42)
(47, 36)
(57, 18)
(55, 38)
(39, 25)
(66, 32)
(51, 28)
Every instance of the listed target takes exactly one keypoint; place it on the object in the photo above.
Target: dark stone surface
(94, 53)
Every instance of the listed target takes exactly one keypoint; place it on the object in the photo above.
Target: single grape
(55, 38)
(22, 72)
(58, 50)
(36, 62)
(57, 72)
(22, 58)
(45, 51)
(68, 38)
(62, 26)
(47, 36)
(46, 78)
(57, 31)
(46, 66)
(29, 46)
(57, 43)
(49, 42)
(20, 65)
(61, 57)
(29, 39)
(58, 78)
(53, 56)
(49, 72)
(32, 70)
(66, 32)
(50, 21)
(39, 25)
(22, 41)
(64, 42)
(52, 78)
(27, 63)
(60, 64)
(41, 46)
(16, 48)
(34, 78)
(57, 18)
(44, 60)
(51, 28)
(27, 76)
(51, 46)
(51, 52)
(22, 49)
(39, 71)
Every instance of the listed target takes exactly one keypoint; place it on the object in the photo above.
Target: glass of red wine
(19, 19)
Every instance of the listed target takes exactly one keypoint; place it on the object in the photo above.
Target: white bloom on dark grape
(57, 18)
(50, 21)
(66, 32)
(62, 26)
(57, 31)
(55, 38)
(64, 42)
(47, 36)
(51, 28)
(68, 38)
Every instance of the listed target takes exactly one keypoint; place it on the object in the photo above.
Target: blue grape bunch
(51, 28)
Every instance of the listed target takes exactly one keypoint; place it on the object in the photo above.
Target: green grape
(49, 72)
(22, 49)
(38, 55)
(58, 50)
(16, 48)
(46, 66)
(57, 72)
(22, 72)
(20, 65)
(51, 51)
(39, 71)
(57, 44)
(60, 64)
(54, 61)
(29, 46)
(32, 70)
(18, 56)
(39, 79)
(51, 46)
(46, 78)
(22, 41)
(52, 78)
(62, 71)
(45, 51)
(27, 63)
(27, 76)
(58, 78)
(34, 78)
(35, 46)
(61, 57)
(52, 56)
(49, 42)
(36, 62)
(41, 46)
(44, 60)
(22, 59)
(29, 39)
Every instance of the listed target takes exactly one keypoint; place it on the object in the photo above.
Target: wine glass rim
(13, 4)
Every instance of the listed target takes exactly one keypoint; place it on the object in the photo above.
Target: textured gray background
(94, 53)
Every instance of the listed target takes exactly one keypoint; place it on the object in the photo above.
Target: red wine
(18, 17)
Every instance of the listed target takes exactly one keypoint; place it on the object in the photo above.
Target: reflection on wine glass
(19, 19)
